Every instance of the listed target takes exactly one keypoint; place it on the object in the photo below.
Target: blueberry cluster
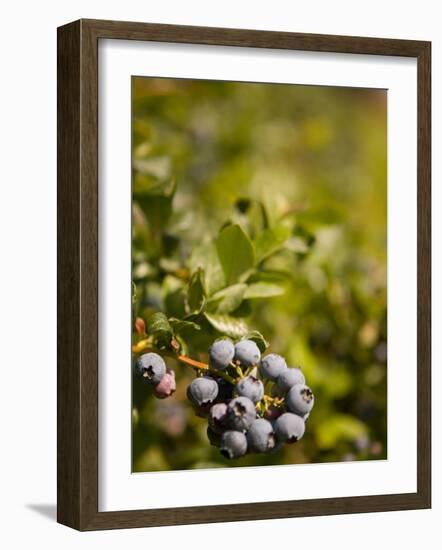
(152, 369)
(252, 404)
(245, 419)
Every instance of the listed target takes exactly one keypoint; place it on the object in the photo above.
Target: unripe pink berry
(140, 326)
(166, 386)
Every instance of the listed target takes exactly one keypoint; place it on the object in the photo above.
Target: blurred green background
(208, 152)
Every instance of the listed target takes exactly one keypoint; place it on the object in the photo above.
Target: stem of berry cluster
(193, 362)
(277, 401)
(267, 400)
(204, 366)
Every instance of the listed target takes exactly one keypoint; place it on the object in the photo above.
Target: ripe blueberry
(233, 444)
(166, 386)
(260, 436)
(241, 413)
(272, 366)
(202, 391)
(217, 417)
(247, 353)
(300, 399)
(221, 353)
(250, 387)
(289, 378)
(289, 427)
(151, 367)
(362, 443)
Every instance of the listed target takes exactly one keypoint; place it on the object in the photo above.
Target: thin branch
(204, 366)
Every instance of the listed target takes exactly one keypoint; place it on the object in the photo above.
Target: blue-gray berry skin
(221, 353)
(218, 417)
(272, 366)
(247, 353)
(241, 412)
(300, 399)
(202, 391)
(150, 367)
(250, 387)
(362, 443)
(233, 444)
(289, 427)
(260, 436)
(289, 378)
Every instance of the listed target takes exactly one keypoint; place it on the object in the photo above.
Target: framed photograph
(243, 275)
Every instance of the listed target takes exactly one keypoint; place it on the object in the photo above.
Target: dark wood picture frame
(77, 459)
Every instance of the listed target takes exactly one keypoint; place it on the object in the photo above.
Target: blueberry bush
(259, 274)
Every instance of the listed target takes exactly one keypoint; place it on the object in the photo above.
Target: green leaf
(270, 276)
(196, 295)
(134, 303)
(270, 241)
(228, 299)
(337, 428)
(263, 290)
(235, 252)
(184, 348)
(205, 257)
(145, 186)
(259, 340)
(229, 326)
(157, 210)
(251, 214)
(323, 213)
(156, 203)
(180, 325)
(158, 326)
(159, 167)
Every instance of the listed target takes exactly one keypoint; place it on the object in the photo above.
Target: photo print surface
(259, 274)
